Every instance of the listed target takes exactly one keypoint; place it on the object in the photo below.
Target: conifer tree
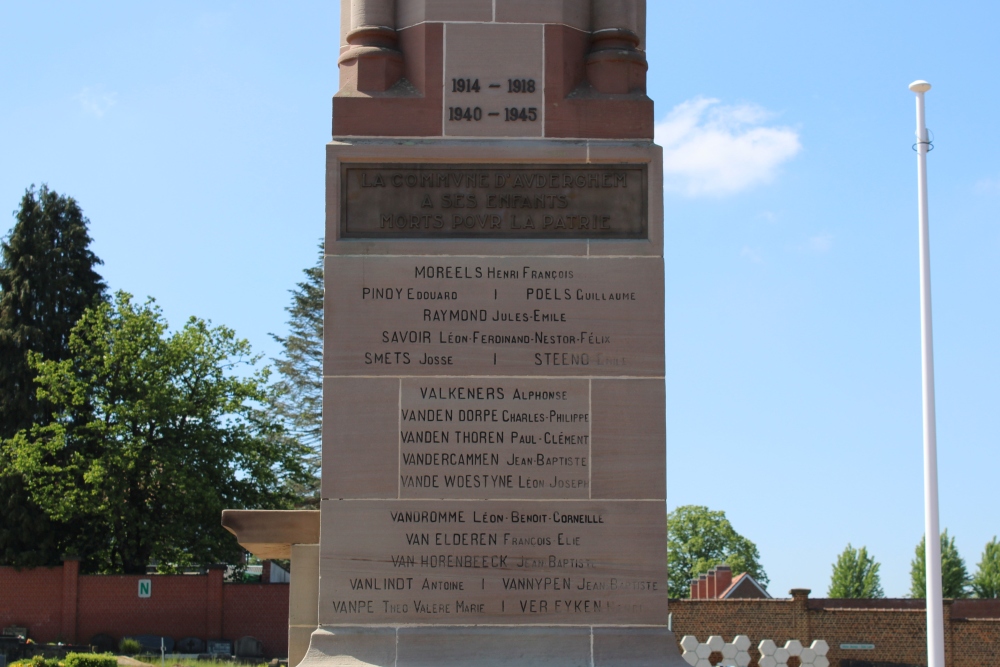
(954, 576)
(299, 389)
(855, 575)
(47, 280)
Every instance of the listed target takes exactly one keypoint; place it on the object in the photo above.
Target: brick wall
(258, 610)
(32, 599)
(897, 628)
(202, 606)
(45, 600)
(110, 605)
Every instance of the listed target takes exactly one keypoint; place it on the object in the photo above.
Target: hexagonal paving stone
(729, 651)
(742, 659)
(767, 661)
(821, 661)
(689, 643)
(704, 662)
(820, 646)
(807, 656)
(690, 657)
(781, 655)
(741, 642)
(793, 646)
(703, 651)
(715, 642)
(766, 647)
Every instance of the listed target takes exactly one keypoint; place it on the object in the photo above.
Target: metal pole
(932, 530)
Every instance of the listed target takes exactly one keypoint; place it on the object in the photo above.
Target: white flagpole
(932, 530)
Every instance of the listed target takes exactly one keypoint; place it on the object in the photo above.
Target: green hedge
(36, 661)
(90, 660)
(129, 646)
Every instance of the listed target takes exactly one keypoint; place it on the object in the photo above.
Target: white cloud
(711, 149)
(988, 186)
(821, 243)
(96, 102)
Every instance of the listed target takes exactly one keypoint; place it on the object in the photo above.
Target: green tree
(855, 575)
(298, 393)
(954, 576)
(47, 280)
(153, 435)
(698, 539)
(986, 582)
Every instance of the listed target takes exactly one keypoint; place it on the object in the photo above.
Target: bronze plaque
(496, 562)
(545, 201)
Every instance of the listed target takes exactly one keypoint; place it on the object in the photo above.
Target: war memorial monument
(493, 483)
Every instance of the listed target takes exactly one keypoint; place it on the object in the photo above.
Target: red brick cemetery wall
(45, 600)
(32, 599)
(57, 605)
(110, 605)
(257, 610)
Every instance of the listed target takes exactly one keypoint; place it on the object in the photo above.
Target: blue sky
(192, 134)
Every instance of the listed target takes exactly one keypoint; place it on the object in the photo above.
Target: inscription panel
(496, 438)
(494, 201)
(494, 81)
(492, 438)
(517, 562)
(400, 316)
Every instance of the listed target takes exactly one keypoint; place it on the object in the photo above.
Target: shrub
(129, 646)
(36, 661)
(90, 660)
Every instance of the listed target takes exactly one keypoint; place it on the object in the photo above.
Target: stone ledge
(270, 534)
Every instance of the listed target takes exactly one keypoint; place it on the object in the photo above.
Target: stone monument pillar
(494, 440)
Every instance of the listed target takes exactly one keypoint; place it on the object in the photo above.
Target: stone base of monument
(493, 646)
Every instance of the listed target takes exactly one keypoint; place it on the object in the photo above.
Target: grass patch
(173, 661)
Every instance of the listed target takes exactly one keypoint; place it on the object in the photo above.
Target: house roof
(744, 586)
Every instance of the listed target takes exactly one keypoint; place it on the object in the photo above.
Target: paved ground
(124, 661)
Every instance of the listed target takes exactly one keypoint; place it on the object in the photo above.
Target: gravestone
(493, 483)
(248, 647)
(10, 648)
(103, 643)
(190, 645)
(154, 643)
(219, 647)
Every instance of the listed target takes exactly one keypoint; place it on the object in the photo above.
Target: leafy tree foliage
(152, 436)
(855, 575)
(47, 280)
(986, 582)
(298, 396)
(698, 539)
(954, 576)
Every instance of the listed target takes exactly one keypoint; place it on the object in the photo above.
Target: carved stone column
(614, 63)
(372, 63)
